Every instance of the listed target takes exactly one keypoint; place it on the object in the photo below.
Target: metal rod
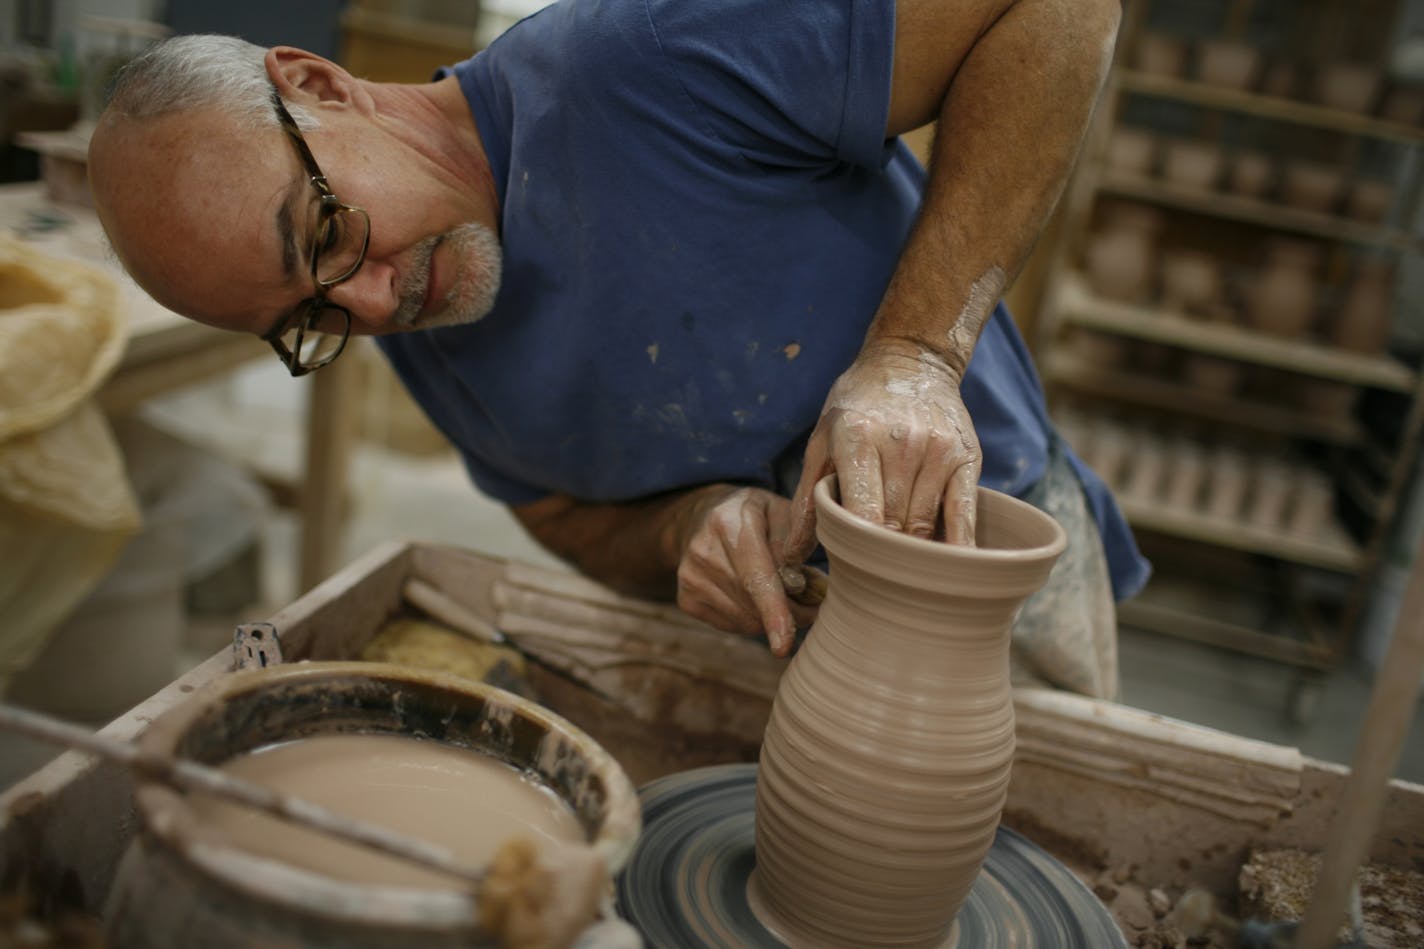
(192, 776)
(1381, 737)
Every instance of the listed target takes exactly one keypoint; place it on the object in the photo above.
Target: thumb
(801, 536)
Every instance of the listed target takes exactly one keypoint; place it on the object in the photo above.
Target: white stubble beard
(479, 262)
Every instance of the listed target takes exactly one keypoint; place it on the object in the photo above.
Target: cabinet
(1219, 330)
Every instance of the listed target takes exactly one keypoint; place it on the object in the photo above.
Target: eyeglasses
(316, 333)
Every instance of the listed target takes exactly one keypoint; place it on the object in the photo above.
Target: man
(667, 269)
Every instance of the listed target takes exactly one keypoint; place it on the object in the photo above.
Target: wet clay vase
(183, 883)
(886, 761)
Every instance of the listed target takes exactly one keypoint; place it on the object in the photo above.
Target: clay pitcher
(886, 760)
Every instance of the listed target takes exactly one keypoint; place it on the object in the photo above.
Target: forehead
(192, 203)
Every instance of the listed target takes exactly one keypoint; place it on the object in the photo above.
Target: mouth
(433, 297)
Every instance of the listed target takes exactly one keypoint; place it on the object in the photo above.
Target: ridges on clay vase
(1282, 299)
(182, 877)
(1364, 321)
(886, 760)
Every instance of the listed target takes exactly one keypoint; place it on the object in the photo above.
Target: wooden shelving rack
(1368, 470)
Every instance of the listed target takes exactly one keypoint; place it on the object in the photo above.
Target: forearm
(634, 547)
(1010, 126)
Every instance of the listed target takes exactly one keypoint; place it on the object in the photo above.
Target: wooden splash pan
(1100, 786)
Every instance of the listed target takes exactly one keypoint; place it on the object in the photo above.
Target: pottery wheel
(686, 882)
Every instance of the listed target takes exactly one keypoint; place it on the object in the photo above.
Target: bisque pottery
(1312, 186)
(1160, 55)
(1228, 63)
(1251, 174)
(886, 760)
(1191, 163)
(1282, 298)
(1352, 87)
(1365, 319)
(1191, 281)
(1370, 201)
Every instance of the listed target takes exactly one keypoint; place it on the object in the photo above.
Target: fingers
(728, 576)
(961, 505)
(801, 531)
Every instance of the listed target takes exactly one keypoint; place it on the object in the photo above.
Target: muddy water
(451, 796)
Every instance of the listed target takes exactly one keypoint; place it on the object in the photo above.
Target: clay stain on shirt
(653, 354)
(792, 350)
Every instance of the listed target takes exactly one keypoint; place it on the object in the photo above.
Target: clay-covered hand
(895, 431)
(728, 572)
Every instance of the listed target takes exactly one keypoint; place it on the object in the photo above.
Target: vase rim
(828, 506)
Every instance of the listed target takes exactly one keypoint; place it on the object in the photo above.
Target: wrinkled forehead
(191, 200)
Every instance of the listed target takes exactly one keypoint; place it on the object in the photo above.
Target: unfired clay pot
(1191, 163)
(1160, 55)
(1228, 63)
(1251, 174)
(886, 760)
(1366, 317)
(1227, 482)
(1191, 281)
(1349, 86)
(1132, 151)
(1370, 201)
(1121, 263)
(1282, 298)
(1311, 186)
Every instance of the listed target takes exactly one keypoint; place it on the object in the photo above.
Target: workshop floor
(400, 495)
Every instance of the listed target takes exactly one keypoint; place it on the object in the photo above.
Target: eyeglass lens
(316, 338)
(340, 242)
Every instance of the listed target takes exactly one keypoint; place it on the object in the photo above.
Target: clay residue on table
(1276, 886)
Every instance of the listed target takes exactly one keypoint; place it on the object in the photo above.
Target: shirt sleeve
(786, 83)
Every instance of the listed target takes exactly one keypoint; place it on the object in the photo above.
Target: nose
(370, 294)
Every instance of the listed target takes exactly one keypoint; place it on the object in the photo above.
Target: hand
(728, 575)
(895, 430)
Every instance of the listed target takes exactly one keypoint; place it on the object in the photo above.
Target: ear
(307, 77)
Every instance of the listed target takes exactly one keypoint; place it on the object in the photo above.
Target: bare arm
(1012, 84)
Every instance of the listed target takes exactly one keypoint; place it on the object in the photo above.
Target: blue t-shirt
(699, 215)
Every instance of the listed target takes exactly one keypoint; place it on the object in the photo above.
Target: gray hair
(201, 71)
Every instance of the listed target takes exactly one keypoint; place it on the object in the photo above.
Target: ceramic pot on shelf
(1251, 174)
(1132, 152)
(1370, 201)
(1191, 282)
(1282, 298)
(1365, 320)
(1228, 63)
(1160, 55)
(1312, 504)
(1192, 163)
(886, 760)
(1120, 263)
(1352, 87)
(1270, 493)
(1147, 469)
(1186, 475)
(1312, 186)
(1227, 482)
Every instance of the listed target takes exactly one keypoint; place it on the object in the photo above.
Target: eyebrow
(287, 230)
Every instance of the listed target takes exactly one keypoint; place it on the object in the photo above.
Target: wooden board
(1100, 785)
